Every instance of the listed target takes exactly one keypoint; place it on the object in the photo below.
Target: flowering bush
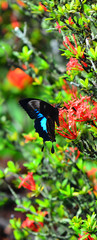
(48, 51)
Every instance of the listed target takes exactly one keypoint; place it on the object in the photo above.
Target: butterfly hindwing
(40, 125)
(51, 128)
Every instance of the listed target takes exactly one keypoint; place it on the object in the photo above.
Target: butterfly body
(45, 116)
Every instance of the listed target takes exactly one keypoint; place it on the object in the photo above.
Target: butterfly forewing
(25, 103)
(30, 104)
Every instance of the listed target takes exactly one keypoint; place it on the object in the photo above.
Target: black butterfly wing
(51, 128)
(49, 111)
(40, 125)
(30, 104)
(29, 107)
(45, 116)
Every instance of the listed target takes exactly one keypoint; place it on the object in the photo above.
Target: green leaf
(20, 209)
(93, 53)
(11, 166)
(5, 49)
(32, 209)
(94, 130)
(45, 203)
(64, 183)
(18, 234)
(84, 83)
(1, 52)
(41, 63)
(1, 174)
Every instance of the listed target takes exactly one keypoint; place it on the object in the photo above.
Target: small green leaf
(64, 183)
(94, 130)
(84, 83)
(32, 209)
(91, 53)
(1, 174)
(5, 49)
(44, 203)
(41, 63)
(11, 166)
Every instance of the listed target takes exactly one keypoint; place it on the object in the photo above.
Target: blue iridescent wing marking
(41, 125)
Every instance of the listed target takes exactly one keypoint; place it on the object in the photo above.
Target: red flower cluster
(69, 46)
(58, 27)
(22, 4)
(77, 110)
(92, 175)
(42, 7)
(72, 150)
(73, 65)
(92, 172)
(14, 21)
(72, 49)
(70, 21)
(28, 182)
(4, 5)
(35, 227)
(88, 237)
(19, 78)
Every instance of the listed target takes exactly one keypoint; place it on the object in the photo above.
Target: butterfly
(45, 116)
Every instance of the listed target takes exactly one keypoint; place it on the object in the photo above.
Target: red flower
(70, 21)
(92, 175)
(72, 49)
(66, 129)
(4, 5)
(84, 64)
(42, 7)
(28, 138)
(77, 110)
(22, 4)
(94, 110)
(74, 150)
(73, 65)
(59, 27)
(95, 187)
(31, 224)
(92, 172)
(88, 237)
(28, 182)
(14, 21)
(19, 78)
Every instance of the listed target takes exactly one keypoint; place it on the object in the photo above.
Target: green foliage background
(62, 183)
